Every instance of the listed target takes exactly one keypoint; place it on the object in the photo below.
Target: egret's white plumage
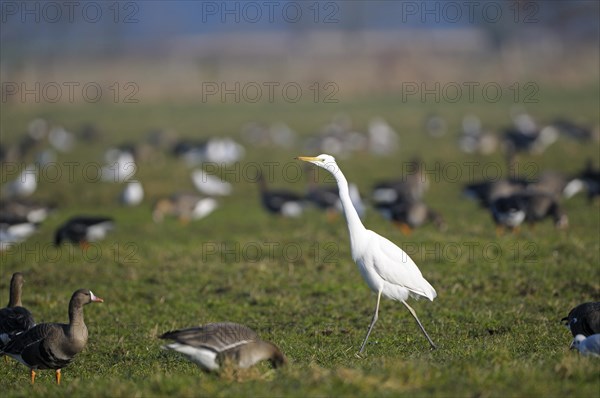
(386, 268)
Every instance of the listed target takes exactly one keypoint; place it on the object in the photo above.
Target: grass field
(495, 320)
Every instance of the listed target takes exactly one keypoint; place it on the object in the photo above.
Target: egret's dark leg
(419, 323)
(375, 316)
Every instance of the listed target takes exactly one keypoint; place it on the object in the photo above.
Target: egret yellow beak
(308, 158)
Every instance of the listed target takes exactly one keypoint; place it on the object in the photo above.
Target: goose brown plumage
(213, 344)
(14, 319)
(53, 345)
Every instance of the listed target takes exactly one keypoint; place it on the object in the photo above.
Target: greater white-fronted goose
(53, 345)
(213, 345)
(587, 345)
(584, 319)
(185, 206)
(83, 230)
(280, 202)
(14, 319)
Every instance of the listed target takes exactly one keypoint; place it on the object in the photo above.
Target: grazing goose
(14, 319)
(474, 139)
(486, 192)
(14, 230)
(83, 230)
(587, 345)
(34, 212)
(410, 188)
(281, 202)
(185, 206)
(530, 206)
(412, 214)
(508, 211)
(53, 345)
(211, 346)
(584, 319)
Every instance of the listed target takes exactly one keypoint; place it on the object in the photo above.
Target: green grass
(495, 320)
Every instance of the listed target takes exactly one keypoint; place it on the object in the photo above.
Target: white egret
(386, 268)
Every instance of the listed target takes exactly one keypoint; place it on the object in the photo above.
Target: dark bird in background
(281, 202)
(527, 206)
(213, 345)
(83, 229)
(409, 188)
(584, 319)
(411, 214)
(14, 318)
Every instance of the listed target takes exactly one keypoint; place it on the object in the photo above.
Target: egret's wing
(395, 266)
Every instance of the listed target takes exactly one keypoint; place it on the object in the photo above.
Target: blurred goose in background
(14, 318)
(24, 185)
(590, 178)
(281, 202)
(132, 194)
(527, 206)
(556, 184)
(409, 215)
(61, 139)
(185, 206)
(436, 126)
(53, 345)
(83, 229)
(277, 134)
(587, 345)
(209, 184)
(584, 319)
(474, 139)
(527, 136)
(120, 165)
(487, 191)
(14, 230)
(573, 130)
(215, 345)
(338, 137)
(223, 151)
(34, 212)
(383, 139)
(327, 198)
(410, 188)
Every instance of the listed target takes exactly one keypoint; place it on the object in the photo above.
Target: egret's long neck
(355, 226)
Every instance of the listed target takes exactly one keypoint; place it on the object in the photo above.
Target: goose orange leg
(32, 376)
(57, 376)
(404, 228)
